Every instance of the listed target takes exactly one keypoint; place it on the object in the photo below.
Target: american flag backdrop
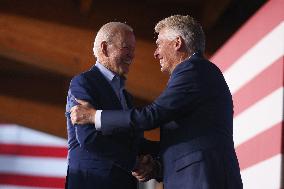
(31, 159)
(252, 63)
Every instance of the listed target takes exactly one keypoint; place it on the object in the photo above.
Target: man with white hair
(96, 160)
(194, 113)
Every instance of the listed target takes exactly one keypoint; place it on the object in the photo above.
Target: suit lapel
(128, 98)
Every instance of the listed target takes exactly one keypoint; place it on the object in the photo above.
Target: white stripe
(264, 175)
(259, 117)
(21, 187)
(20, 135)
(265, 52)
(55, 167)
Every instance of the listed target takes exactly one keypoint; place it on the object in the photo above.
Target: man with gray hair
(96, 160)
(194, 113)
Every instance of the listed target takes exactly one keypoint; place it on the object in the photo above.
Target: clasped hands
(146, 168)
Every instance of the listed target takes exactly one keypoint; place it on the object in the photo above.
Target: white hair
(185, 27)
(107, 32)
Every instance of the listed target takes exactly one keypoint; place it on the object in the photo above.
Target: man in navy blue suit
(96, 160)
(194, 112)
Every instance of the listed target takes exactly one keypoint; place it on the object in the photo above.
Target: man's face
(165, 52)
(121, 53)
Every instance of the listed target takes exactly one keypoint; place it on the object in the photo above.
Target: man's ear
(104, 48)
(179, 42)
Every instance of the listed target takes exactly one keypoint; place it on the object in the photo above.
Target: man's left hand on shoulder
(83, 113)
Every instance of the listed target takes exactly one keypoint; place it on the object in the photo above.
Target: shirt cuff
(98, 124)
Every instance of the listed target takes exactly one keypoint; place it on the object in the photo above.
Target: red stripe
(267, 18)
(261, 147)
(28, 150)
(262, 85)
(33, 181)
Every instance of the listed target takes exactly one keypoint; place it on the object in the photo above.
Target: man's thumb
(82, 102)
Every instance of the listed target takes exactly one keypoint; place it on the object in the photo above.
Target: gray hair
(185, 27)
(107, 32)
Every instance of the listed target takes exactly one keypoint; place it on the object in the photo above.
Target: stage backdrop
(252, 62)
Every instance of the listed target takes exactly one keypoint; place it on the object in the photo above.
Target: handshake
(146, 168)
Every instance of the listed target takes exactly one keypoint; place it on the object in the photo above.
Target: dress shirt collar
(109, 75)
(195, 53)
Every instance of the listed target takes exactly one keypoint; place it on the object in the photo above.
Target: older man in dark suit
(194, 112)
(96, 160)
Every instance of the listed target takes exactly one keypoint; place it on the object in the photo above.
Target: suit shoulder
(205, 64)
(85, 76)
(184, 67)
(213, 67)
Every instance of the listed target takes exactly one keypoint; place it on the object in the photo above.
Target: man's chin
(165, 70)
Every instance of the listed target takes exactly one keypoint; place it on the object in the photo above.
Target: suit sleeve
(179, 98)
(79, 89)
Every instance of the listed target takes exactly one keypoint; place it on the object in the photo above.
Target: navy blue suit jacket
(99, 161)
(195, 113)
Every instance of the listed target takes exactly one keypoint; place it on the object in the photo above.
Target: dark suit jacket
(99, 161)
(195, 113)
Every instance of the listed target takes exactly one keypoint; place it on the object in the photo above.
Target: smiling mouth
(128, 62)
